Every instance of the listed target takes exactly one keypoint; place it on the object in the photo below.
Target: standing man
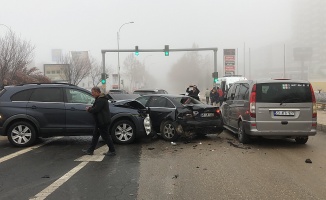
(207, 95)
(101, 113)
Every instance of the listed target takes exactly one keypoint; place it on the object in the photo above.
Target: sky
(84, 25)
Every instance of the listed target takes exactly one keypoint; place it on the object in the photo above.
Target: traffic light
(215, 76)
(166, 50)
(103, 78)
(136, 51)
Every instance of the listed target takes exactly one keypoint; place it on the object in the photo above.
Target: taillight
(218, 111)
(252, 109)
(314, 106)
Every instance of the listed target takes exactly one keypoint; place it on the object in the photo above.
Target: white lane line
(51, 188)
(10, 156)
(97, 157)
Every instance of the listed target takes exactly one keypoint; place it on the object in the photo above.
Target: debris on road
(237, 146)
(151, 148)
(308, 161)
(175, 176)
(173, 143)
(46, 176)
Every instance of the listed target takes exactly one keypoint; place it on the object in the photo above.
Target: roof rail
(46, 84)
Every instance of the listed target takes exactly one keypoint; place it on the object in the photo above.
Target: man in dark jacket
(101, 113)
(193, 91)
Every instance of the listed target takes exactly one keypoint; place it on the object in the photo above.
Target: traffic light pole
(156, 50)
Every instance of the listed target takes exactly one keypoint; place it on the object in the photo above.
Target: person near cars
(214, 97)
(207, 95)
(221, 96)
(193, 92)
(101, 113)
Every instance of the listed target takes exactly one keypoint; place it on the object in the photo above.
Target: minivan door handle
(284, 122)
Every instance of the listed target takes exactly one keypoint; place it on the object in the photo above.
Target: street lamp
(118, 39)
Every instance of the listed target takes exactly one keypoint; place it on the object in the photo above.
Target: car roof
(274, 81)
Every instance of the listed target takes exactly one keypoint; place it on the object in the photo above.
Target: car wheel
(123, 132)
(242, 136)
(21, 134)
(168, 131)
(301, 140)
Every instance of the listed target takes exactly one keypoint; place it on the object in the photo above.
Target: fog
(264, 33)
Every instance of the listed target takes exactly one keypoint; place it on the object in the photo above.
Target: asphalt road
(213, 167)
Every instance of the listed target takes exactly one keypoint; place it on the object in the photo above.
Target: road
(213, 167)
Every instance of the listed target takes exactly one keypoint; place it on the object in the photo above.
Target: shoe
(87, 152)
(109, 153)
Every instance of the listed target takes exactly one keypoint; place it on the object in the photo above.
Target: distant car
(117, 91)
(173, 115)
(150, 91)
(271, 108)
(29, 111)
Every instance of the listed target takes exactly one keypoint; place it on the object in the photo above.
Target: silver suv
(278, 108)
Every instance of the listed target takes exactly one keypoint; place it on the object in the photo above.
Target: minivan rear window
(283, 92)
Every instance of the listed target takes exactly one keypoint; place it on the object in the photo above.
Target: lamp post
(118, 39)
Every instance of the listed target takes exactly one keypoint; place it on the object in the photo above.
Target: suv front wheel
(21, 134)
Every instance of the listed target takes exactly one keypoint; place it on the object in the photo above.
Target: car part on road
(168, 131)
(21, 134)
(123, 132)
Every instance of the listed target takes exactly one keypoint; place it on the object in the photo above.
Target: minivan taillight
(252, 109)
(314, 106)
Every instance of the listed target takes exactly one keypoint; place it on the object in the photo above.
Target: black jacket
(101, 110)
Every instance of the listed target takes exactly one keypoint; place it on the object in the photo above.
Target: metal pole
(237, 63)
(244, 59)
(118, 39)
(249, 65)
(284, 63)
(215, 60)
(103, 63)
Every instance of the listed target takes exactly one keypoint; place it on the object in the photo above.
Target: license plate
(283, 113)
(207, 115)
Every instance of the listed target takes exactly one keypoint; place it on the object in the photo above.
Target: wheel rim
(124, 132)
(169, 131)
(21, 134)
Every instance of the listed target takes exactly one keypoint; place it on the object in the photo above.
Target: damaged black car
(177, 115)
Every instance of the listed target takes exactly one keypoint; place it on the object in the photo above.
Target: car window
(237, 92)
(283, 92)
(160, 102)
(77, 96)
(143, 99)
(47, 95)
(242, 92)
(22, 95)
(230, 92)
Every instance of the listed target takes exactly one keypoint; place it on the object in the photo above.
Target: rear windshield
(283, 93)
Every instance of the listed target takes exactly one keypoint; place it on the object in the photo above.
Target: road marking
(97, 157)
(51, 188)
(18, 153)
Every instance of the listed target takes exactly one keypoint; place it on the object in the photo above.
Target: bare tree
(135, 71)
(79, 68)
(15, 55)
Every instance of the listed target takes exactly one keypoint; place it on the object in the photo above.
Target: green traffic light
(136, 53)
(103, 81)
(215, 80)
(166, 53)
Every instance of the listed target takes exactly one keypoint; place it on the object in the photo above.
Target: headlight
(148, 124)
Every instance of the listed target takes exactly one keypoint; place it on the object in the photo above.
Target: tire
(168, 131)
(301, 140)
(22, 134)
(123, 132)
(242, 136)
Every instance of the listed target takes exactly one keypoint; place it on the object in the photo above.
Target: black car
(30, 111)
(150, 91)
(173, 115)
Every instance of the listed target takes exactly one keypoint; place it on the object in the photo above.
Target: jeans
(102, 131)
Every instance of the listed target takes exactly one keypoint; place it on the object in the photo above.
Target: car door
(78, 120)
(238, 108)
(47, 107)
(161, 108)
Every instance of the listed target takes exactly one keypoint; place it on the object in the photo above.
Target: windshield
(286, 93)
